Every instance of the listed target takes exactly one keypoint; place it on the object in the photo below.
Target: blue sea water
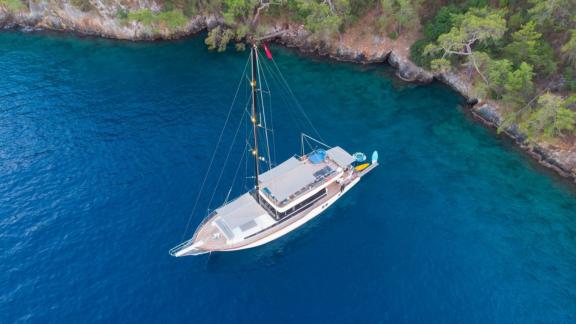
(104, 144)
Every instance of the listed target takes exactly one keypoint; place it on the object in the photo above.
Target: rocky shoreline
(350, 47)
(563, 161)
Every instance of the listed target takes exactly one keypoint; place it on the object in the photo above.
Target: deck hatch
(224, 228)
(247, 226)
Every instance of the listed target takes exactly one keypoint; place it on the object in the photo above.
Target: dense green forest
(519, 53)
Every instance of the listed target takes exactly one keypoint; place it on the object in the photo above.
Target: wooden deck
(214, 240)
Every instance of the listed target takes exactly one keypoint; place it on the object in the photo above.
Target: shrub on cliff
(173, 19)
(170, 19)
(218, 38)
(417, 53)
(189, 8)
(143, 16)
(549, 119)
(13, 5)
(83, 5)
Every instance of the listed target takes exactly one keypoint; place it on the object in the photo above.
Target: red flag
(267, 51)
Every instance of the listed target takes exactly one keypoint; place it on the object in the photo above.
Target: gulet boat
(284, 197)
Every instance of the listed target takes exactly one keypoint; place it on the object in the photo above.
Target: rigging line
(305, 140)
(284, 98)
(246, 134)
(296, 101)
(289, 101)
(215, 150)
(226, 160)
(236, 173)
(273, 160)
(263, 109)
(308, 137)
(312, 147)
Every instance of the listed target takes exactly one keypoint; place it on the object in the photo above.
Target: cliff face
(105, 18)
(108, 18)
(354, 46)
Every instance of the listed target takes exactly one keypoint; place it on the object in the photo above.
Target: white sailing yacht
(283, 198)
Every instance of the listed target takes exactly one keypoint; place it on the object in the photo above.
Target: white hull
(213, 236)
(313, 213)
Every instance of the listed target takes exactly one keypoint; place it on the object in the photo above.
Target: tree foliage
(12, 5)
(497, 73)
(527, 46)
(219, 37)
(322, 18)
(551, 118)
(569, 50)
(442, 22)
(476, 26)
(401, 14)
(553, 14)
(519, 87)
(237, 10)
(171, 19)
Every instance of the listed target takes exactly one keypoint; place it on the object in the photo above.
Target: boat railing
(202, 223)
(193, 238)
(179, 247)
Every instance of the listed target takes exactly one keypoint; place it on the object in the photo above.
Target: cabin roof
(294, 175)
(241, 217)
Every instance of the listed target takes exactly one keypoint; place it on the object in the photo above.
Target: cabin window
(302, 205)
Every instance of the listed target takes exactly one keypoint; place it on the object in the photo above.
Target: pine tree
(550, 118)
(519, 87)
(527, 46)
(476, 26)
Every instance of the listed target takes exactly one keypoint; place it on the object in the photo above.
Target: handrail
(190, 241)
(178, 247)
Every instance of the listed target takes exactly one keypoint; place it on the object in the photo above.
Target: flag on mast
(267, 51)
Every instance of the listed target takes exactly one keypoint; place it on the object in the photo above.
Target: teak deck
(215, 240)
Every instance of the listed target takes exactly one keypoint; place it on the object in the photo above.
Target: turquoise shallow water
(103, 146)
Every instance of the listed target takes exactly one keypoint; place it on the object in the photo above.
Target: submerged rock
(408, 71)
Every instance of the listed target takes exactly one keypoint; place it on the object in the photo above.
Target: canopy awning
(341, 157)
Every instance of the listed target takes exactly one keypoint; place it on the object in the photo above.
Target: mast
(254, 118)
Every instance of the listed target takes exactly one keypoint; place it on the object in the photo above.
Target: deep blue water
(103, 146)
